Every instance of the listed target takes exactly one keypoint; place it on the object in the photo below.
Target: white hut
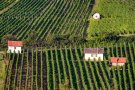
(15, 46)
(96, 16)
(94, 54)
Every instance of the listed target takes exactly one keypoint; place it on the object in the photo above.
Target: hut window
(93, 55)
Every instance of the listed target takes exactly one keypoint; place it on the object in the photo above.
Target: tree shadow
(87, 23)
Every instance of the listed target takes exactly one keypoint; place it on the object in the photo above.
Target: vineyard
(116, 19)
(55, 33)
(46, 17)
(50, 18)
(5, 3)
(48, 69)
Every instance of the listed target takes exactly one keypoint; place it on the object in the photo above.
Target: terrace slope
(117, 18)
(46, 17)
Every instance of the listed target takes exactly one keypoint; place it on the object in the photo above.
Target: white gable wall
(10, 49)
(121, 64)
(14, 49)
(118, 64)
(114, 64)
(91, 57)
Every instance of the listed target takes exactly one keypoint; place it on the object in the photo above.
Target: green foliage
(46, 18)
(5, 3)
(65, 68)
(1, 57)
(52, 40)
(5, 39)
(2, 69)
(31, 40)
(116, 23)
(65, 86)
(16, 66)
(2, 74)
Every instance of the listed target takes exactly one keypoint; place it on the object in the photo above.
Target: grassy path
(2, 74)
(127, 35)
(8, 7)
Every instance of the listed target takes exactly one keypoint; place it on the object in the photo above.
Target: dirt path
(1, 84)
(127, 35)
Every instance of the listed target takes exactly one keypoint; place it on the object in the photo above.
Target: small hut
(94, 54)
(118, 61)
(96, 16)
(15, 46)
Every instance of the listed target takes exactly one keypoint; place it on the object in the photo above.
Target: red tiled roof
(94, 50)
(122, 60)
(114, 59)
(118, 60)
(15, 43)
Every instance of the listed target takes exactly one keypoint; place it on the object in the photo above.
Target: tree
(6, 38)
(31, 40)
(49, 41)
(65, 86)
